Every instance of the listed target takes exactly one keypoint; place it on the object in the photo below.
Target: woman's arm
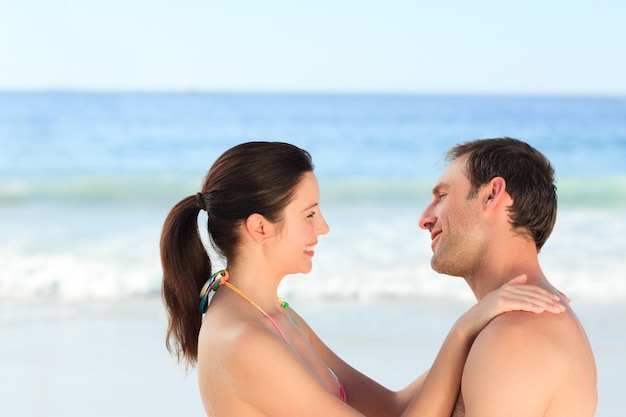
(434, 392)
(363, 393)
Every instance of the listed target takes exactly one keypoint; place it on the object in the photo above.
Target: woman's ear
(259, 228)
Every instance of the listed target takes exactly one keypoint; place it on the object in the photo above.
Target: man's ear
(259, 228)
(496, 193)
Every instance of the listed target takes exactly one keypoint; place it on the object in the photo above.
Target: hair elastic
(200, 202)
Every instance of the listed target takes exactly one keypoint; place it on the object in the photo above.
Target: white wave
(372, 252)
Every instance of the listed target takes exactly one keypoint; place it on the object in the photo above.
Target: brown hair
(529, 181)
(253, 177)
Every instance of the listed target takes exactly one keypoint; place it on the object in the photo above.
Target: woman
(255, 355)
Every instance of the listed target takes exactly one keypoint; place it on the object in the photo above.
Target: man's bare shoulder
(529, 343)
(554, 335)
(529, 362)
(521, 341)
(518, 326)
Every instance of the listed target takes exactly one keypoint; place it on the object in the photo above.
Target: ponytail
(186, 266)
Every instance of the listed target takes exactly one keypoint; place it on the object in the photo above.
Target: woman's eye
(311, 215)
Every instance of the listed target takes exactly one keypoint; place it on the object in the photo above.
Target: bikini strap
(221, 278)
(248, 299)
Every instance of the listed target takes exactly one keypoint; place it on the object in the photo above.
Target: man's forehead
(454, 171)
(453, 176)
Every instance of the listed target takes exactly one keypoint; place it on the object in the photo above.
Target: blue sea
(86, 180)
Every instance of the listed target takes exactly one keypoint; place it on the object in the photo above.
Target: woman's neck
(257, 283)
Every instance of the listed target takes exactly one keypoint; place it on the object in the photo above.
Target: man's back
(524, 365)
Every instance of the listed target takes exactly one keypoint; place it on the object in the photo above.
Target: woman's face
(302, 224)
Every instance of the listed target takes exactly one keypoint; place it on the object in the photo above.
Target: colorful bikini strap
(213, 283)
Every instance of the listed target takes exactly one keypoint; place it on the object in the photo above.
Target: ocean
(86, 180)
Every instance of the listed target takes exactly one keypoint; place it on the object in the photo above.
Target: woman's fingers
(567, 299)
(519, 296)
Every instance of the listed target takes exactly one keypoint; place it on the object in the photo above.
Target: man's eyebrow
(440, 186)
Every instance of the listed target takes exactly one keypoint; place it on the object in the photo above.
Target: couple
(518, 352)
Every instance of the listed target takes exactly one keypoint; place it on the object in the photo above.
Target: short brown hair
(529, 180)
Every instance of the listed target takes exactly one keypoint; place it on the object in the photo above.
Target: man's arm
(512, 369)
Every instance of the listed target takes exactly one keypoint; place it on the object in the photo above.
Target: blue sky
(487, 47)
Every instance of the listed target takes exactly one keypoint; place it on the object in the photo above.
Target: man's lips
(433, 236)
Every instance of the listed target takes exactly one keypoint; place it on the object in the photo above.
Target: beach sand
(107, 358)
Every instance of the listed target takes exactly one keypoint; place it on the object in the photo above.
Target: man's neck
(502, 267)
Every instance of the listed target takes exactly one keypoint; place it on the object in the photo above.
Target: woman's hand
(512, 296)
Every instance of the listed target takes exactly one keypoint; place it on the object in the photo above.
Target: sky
(358, 46)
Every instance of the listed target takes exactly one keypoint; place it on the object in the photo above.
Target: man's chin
(444, 269)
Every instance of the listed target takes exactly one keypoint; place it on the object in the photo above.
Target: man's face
(453, 221)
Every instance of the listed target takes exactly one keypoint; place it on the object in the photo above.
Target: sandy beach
(108, 358)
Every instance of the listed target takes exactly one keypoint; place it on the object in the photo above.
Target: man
(493, 208)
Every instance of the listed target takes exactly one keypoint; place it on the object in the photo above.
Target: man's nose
(427, 219)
